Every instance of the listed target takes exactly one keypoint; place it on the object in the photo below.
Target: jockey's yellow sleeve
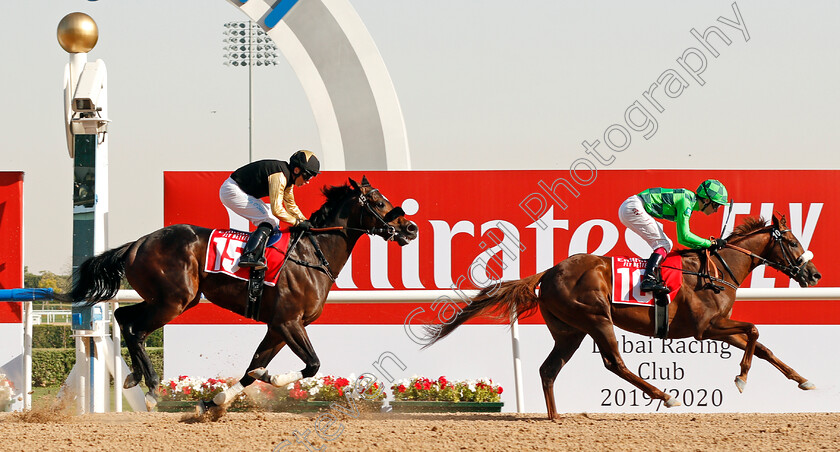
(282, 199)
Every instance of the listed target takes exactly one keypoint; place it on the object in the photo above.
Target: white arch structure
(344, 77)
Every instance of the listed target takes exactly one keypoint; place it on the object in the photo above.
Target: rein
(323, 265)
(789, 267)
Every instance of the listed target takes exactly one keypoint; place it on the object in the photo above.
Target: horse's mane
(335, 195)
(750, 225)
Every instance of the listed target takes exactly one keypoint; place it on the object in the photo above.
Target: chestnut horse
(575, 301)
(166, 268)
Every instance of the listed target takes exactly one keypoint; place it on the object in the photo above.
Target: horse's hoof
(260, 374)
(130, 381)
(672, 402)
(280, 380)
(740, 384)
(806, 385)
(151, 402)
(203, 406)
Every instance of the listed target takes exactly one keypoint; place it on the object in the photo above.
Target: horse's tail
(508, 300)
(98, 278)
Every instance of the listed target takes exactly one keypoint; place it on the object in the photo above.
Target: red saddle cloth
(628, 271)
(226, 246)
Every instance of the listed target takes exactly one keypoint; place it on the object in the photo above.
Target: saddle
(627, 273)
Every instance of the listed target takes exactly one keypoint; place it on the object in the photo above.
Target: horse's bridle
(792, 267)
(385, 230)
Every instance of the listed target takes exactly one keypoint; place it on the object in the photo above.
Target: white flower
(313, 391)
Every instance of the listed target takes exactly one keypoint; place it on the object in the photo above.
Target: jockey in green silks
(638, 212)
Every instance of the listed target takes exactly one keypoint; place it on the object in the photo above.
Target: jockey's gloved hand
(303, 225)
(717, 244)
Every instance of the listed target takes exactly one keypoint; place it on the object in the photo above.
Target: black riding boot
(650, 283)
(252, 255)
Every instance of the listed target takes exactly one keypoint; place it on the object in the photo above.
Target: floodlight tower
(245, 44)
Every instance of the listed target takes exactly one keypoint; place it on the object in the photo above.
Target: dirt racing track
(427, 432)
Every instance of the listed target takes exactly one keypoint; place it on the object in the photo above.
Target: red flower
(298, 394)
(187, 390)
(427, 385)
(340, 392)
(342, 382)
(173, 385)
(401, 388)
(418, 385)
(182, 377)
(500, 390)
(442, 381)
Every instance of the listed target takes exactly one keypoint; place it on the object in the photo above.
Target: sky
(482, 85)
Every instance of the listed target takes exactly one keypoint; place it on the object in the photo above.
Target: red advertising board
(476, 225)
(11, 241)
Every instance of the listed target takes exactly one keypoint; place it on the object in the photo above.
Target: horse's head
(787, 255)
(379, 217)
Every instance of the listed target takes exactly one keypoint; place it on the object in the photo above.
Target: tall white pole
(27, 355)
(517, 367)
(118, 376)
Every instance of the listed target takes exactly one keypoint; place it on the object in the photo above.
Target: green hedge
(51, 366)
(58, 336)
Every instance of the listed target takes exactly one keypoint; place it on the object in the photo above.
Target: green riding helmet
(714, 190)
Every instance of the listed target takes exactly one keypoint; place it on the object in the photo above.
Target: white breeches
(246, 205)
(633, 215)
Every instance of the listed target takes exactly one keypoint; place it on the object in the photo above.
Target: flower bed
(424, 389)
(441, 395)
(7, 391)
(309, 394)
(182, 393)
(319, 392)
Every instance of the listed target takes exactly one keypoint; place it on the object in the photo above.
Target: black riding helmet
(307, 162)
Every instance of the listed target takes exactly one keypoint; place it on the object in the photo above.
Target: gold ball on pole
(77, 33)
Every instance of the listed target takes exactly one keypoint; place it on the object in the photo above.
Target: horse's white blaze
(228, 394)
(284, 379)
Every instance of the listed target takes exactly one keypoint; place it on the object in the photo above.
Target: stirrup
(652, 286)
(258, 264)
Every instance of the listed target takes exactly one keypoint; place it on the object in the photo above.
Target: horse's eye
(793, 245)
(380, 205)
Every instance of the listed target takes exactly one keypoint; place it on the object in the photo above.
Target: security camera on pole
(86, 124)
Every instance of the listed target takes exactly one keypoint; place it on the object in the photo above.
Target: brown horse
(166, 268)
(575, 301)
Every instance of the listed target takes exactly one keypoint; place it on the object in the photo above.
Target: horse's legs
(566, 342)
(298, 342)
(764, 353)
(604, 336)
(135, 342)
(724, 327)
(266, 351)
(137, 321)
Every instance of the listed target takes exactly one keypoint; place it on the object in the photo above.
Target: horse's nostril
(817, 276)
(411, 227)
